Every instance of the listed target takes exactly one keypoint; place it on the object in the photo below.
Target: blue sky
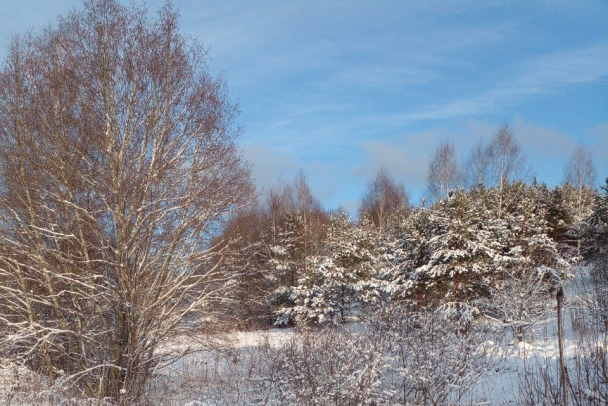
(341, 88)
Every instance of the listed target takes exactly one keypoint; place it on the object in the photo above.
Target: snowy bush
(520, 302)
(434, 356)
(329, 367)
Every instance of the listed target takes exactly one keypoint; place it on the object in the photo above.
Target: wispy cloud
(546, 74)
(581, 65)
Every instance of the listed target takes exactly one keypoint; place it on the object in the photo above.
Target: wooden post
(560, 337)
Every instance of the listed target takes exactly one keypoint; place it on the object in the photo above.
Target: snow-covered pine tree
(287, 263)
(560, 218)
(595, 228)
(403, 252)
(338, 282)
(530, 265)
(460, 250)
(595, 249)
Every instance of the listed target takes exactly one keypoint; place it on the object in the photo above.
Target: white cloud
(599, 134)
(544, 142)
(599, 147)
(328, 179)
(405, 157)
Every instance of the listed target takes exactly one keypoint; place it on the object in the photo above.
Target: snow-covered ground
(239, 373)
(501, 384)
(518, 372)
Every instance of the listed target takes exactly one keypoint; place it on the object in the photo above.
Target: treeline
(488, 243)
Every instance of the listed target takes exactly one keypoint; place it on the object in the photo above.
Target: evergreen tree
(461, 249)
(560, 219)
(530, 265)
(339, 281)
(286, 265)
(595, 229)
(404, 253)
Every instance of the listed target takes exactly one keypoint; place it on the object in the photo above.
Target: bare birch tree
(117, 162)
(580, 172)
(384, 196)
(476, 168)
(297, 199)
(506, 161)
(444, 173)
(310, 211)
